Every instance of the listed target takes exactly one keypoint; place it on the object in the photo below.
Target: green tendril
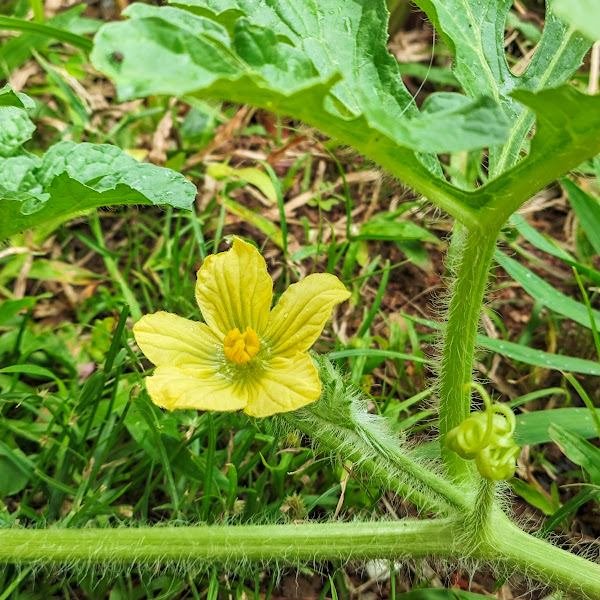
(487, 437)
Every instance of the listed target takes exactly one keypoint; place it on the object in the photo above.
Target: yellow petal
(235, 290)
(201, 389)
(168, 339)
(286, 384)
(301, 313)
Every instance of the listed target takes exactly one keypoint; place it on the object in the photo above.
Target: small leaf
(533, 496)
(15, 471)
(383, 229)
(256, 177)
(547, 244)
(9, 308)
(8, 97)
(578, 450)
(267, 227)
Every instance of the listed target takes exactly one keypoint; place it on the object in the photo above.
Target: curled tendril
(487, 437)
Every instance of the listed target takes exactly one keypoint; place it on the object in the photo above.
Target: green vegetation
(135, 501)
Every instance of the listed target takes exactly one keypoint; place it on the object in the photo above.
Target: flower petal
(201, 389)
(168, 339)
(286, 384)
(301, 313)
(235, 290)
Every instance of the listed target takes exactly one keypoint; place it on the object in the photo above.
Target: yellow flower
(245, 356)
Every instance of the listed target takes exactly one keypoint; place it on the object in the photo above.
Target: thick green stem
(408, 538)
(541, 561)
(502, 544)
(459, 341)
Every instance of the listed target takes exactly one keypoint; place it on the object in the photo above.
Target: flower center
(241, 347)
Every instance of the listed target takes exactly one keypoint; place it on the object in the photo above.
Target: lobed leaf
(474, 31)
(15, 129)
(74, 178)
(268, 55)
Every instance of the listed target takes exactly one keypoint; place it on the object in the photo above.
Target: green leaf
(265, 225)
(9, 308)
(256, 177)
(529, 356)
(533, 496)
(12, 24)
(545, 293)
(584, 15)
(578, 450)
(587, 209)
(15, 129)
(439, 594)
(84, 162)
(15, 471)
(532, 428)
(567, 133)
(10, 98)
(75, 178)
(539, 358)
(15, 51)
(384, 229)
(547, 244)
(18, 173)
(265, 55)
(474, 31)
(36, 371)
(338, 77)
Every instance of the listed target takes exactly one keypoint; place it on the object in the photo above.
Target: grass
(81, 444)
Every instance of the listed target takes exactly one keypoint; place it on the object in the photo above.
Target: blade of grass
(372, 353)
(585, 495)
(13, 24)
(586, 399)
(588, 306)
(113, 269)
(376, 303)
(210, 460)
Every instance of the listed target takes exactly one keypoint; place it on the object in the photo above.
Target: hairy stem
(542, 561)
(231, 544)
(503, 544)
(422, 487)
(459, 340)
(480, 520)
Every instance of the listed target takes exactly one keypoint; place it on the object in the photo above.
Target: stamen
(241, 347)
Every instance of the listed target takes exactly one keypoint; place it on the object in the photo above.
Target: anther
(241, 347)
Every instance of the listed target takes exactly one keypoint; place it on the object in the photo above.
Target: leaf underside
(325, 62)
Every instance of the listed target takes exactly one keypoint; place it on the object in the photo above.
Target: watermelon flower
(245, 356)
